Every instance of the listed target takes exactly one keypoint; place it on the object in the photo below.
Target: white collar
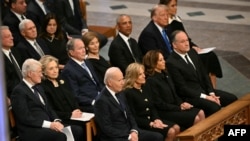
(77, 61)
(159, 27)
(18, 15)
(176, 18)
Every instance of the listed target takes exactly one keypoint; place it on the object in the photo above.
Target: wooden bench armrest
(213, 127)
(90, 128)
(245, 97)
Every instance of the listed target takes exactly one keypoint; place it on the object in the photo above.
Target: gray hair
(23, 23)
(173, 35)
(45, 60)
(120, 16)
(109, 74)
(30, 65)
(156, 8)
(3, 27)
(71, 44)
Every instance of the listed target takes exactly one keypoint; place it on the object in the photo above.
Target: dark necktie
(130, 49)
(165, 37)
(38, 49)
(120, 102)
(122, 105)
(22, 17)
(189, 63)
(17, 68)
(36, 93)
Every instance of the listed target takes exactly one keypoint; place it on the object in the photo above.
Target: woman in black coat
(52, 34)
(161, 87)
(60, 98)
(141, 107)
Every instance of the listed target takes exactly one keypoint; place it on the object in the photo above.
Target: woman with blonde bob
(58, 93)
(139, 99)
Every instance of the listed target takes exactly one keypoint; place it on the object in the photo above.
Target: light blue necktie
(87, 69)
(164, 35)
(38, 49)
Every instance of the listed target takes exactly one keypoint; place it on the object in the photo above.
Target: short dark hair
(173, 35)
(166, 2)
(10, 3)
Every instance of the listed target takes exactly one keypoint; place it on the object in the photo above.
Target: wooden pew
(90, 129)
(245, 97)
(212, 127)
(105, 30)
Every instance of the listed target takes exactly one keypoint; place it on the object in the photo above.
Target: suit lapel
(159, 36)
(32, 95)
(15, 17)
(126, 47)
(113, 101)
(17, 57)
(184, 64)
(91, 70)
(7, 60)
(79, 68)
(83, 71)
(196, 64)
(31, 49)
(38, 8)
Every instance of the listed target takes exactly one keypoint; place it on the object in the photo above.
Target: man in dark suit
(124, 49)
(12, 66)
(112, 116)
(15, 15)
(12, 73)
(81, 75)
(152, 36)
(71, 19)
(34, 118)
(31, 46)
(191, 79)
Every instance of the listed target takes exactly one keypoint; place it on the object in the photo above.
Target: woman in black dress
(92, 45)
(58, 93)
(141, 107)
(161, 87)
(54, 38)
(210, 60)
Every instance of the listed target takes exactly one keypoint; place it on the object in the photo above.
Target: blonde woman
(58, 93)
(139, 99)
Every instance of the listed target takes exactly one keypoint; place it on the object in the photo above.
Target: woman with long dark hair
(51, 32)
